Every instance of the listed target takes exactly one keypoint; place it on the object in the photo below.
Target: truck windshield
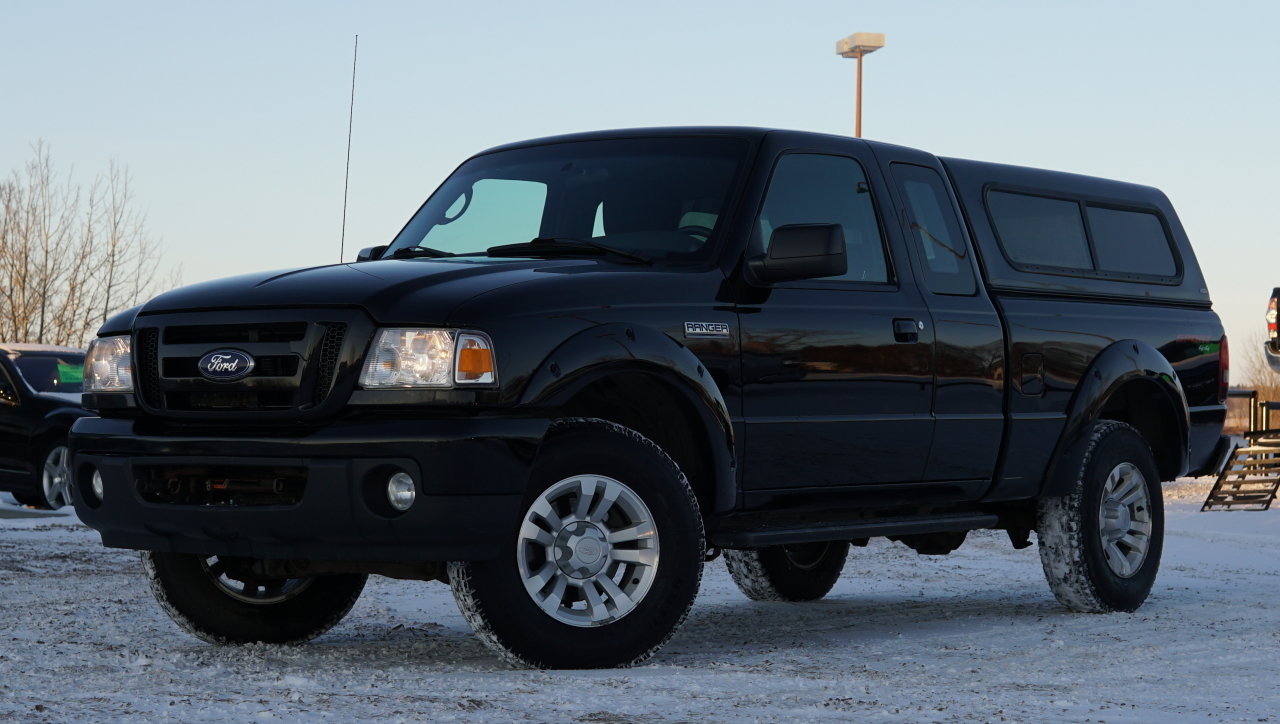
(52, 372)
(659, 198)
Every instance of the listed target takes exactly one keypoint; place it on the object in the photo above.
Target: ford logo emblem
(225, 365)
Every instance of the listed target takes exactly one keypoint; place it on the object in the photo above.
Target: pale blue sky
(232, 116)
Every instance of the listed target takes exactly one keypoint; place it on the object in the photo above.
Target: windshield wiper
(562, 245)
(413, 252)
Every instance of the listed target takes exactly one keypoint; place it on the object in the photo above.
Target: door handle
(907, 331)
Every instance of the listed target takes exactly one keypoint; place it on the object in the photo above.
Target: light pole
(856, 46)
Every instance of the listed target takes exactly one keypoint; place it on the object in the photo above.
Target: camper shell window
(1053, 235)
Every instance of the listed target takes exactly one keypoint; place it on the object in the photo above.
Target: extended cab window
(809, 188)
(936, 230)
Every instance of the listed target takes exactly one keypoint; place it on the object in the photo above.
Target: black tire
(1086, 572)
(493, 597)
(288, 611)
(803, 572)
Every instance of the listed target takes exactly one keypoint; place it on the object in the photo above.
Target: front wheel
(603, 565)
(1100, 544)
(222, 600)
(804, 572)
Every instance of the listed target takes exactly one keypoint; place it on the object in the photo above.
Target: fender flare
(55, 424)
(1119, 364)
(608, 349)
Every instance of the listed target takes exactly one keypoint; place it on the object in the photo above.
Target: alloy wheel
(587, 550)
(1124, 520)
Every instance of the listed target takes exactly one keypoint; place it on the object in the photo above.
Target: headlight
(108, 366)
(442, 358)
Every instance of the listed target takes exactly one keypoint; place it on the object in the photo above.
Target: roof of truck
(755, 133)
(748, 132)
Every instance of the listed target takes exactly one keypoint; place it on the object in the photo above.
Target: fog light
(96, 484)
(401, 491)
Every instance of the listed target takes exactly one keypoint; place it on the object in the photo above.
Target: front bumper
(471, 475)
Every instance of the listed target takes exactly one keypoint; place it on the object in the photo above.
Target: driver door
(837, 372)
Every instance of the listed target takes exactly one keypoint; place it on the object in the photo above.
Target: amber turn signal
(475, 360)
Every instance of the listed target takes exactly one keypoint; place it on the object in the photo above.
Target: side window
(811, 188)
(1040, 231)
(8, 393)
(499, 211)
(936, 231)
(1130, 242)
(597, 226)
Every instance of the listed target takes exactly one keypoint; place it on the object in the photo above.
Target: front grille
(226, 485)
(330, 348)
(148, 362)
(299, 357)
(235, 333)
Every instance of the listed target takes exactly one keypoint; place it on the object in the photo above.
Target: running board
(773, 535)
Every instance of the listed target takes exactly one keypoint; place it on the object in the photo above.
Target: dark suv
(39, 399)
(590, 363)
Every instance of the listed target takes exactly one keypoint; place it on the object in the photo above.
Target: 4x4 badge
(225, 365)
(706, 330)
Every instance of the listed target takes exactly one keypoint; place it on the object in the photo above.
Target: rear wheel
(803, 572)
(603, 565)
(1100, 544)
(223, 601)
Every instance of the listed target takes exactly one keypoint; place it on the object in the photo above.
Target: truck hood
(391, 291)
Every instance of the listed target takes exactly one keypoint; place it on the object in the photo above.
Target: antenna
(346, 179)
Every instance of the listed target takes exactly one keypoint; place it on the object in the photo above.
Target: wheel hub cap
(1115, 519)
(581, 550)
(1124, 520)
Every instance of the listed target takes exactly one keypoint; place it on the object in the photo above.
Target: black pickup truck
(590, 363)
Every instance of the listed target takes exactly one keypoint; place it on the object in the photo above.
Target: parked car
(590, 362)
(39, 399)
(1271, 346)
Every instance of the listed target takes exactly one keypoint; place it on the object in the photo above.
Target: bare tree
(70, 257)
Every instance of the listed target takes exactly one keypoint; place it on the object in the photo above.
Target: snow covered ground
(974, 636)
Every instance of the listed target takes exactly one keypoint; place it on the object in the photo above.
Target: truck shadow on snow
(744, 627)
(729, 632)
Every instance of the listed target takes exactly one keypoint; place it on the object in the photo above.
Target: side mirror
(369, 253)
(802, 251)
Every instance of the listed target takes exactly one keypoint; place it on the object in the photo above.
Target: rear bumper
(1205, 440)
(1222, 454)
(470, 473)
